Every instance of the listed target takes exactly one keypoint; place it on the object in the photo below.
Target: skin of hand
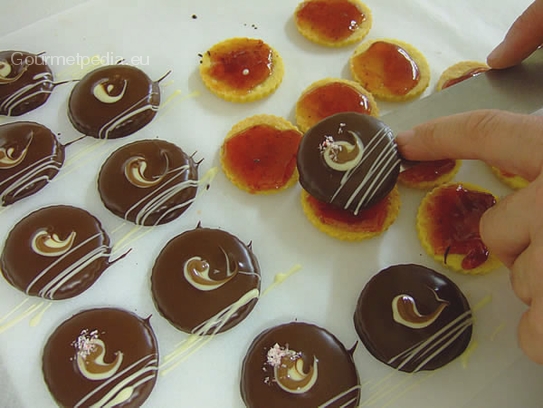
(513, 228)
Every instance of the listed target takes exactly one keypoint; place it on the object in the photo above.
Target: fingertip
(530, 333)
(494, 58)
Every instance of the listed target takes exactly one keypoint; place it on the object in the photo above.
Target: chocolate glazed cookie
(56, 252)
(30, 156)
(349, 160)
(413, 318)
(26, 82)
(148, 182)
(299, 365)
(113, 101)
(101, 357)
(205, 281)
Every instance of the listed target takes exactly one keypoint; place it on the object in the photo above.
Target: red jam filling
(334, 20)
(369, 220)
(467, 75)
(456, 212)
(386, 65)
(427, 171)
(241, 64)
(333, 98)
(262, 157)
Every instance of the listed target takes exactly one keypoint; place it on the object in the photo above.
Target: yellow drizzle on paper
(281, 277)
(14, 316)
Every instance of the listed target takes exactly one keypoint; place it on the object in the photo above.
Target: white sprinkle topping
(245, 72)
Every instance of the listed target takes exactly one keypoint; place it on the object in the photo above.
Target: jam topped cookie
(259, 154)
(299, 365)
(113, 101)
(460, 72)
(333, 23)
(30, 157)
(391, 70)
(241, 69)
(329, 96)
(448, 227)
(429, 174)
(55, 252)
(413, 318)
(349, 160)
(26, 82)
(101, 358)
(148, 182)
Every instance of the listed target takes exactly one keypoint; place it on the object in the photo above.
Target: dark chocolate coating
(396, 344)
(172, 178)
(133, 110)
(121, 332)
(337, 373)
(371, 178)
(187, 307)
(30, 157)
(44, 276)
(28, 84)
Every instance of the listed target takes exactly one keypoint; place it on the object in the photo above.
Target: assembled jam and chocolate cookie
(299, 365)
(413, 318)
(205, 281)
(30, 157)
(334, 23)
(258, 154)
(148, 182)
(391, 70)
(26, 82)
(113, 101)
(101, 357)
(448, 227)
(55, 252)
(242, 69)
(329, 96)
(349, 160)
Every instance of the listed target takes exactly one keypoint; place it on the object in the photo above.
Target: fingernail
(496, 53)
(405, 137)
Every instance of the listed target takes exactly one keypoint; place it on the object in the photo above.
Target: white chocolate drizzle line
(51, 287)
(14, 316)
(439, 341)
(281, 277)
(123, 383)
(126, 115)
(28, 176)
(383, 165)
(199, 337)
(27, 92)
(341, 395)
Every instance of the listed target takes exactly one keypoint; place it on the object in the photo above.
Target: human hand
(523, 38)
(513, 228)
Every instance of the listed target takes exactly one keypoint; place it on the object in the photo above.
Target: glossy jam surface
(333, 20)
(241, 63)
(262, 157)
(333, 98)
(467, 75)
(386, 66)
(368, 220)
(427, 171)
(456, 212)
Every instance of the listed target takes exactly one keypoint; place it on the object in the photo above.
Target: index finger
(509, 141)
(523, 38)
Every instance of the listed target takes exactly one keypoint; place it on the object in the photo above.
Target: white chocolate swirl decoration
(8, 160)
(91, 363)
(342, 155)
(104, 92)
(196, 271)
(405, 311)
(288, 368)
(5, 70)
(134, 171)
(50, 244)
